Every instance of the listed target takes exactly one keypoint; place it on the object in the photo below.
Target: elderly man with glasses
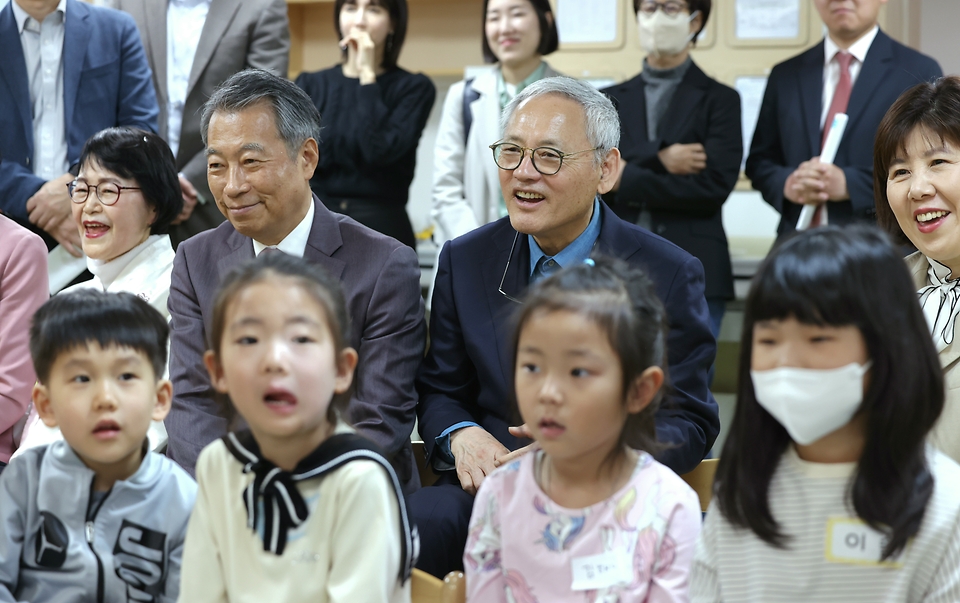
(558, 153)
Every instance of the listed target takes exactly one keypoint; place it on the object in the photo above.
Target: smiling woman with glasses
(124, 198)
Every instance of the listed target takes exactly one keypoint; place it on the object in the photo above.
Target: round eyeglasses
(546, 160)
(669, 8)
(107, 192)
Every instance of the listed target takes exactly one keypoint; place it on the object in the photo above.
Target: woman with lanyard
(373, 114)
(466, 188)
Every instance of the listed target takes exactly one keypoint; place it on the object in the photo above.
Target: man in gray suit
(261, 134)
(192, 47)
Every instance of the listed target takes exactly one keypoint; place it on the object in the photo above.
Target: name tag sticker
(600, 571)
(853, 541)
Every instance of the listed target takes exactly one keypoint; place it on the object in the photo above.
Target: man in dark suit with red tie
(858, 70)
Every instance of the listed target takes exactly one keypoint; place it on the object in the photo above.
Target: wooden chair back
(701, 480)
(425, 588)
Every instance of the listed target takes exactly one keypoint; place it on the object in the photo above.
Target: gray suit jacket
(381, 282)
(236, 35)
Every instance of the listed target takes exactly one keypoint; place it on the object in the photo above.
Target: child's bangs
(77, 319)
(814, 289)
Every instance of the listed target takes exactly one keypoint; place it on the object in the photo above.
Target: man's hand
(49, 209)
(476, 453)
(683, 159)
(190, 197)
(815, 182)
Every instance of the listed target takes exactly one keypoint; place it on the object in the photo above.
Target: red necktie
(841, 97)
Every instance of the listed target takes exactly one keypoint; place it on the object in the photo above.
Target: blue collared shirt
(574, 253)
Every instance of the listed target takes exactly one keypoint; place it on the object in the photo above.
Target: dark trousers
(441, 513)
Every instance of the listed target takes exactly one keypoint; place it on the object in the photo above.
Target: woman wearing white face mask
(826, 489)
(466, 188)
(682, 142)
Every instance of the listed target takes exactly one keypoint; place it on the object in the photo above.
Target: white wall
(938, 32)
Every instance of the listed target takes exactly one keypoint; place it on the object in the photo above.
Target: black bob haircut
(621, 300)
(842, 277)
(549, 38)
(142, 156)
(399, 16)
(76, 319)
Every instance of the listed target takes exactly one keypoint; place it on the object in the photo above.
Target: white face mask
(810, 403)
(661, 34)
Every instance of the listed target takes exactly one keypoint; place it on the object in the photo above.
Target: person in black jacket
(373, 115)
(784, 156)
(681, 142)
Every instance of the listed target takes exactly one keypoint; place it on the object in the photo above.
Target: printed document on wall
(587, 21)
(768, 19)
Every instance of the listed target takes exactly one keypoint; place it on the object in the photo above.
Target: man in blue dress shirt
(558, 153)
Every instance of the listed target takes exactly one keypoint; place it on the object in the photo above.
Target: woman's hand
(364, 54)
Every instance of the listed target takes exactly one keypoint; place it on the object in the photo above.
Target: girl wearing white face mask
(826, 489)
(682, 143)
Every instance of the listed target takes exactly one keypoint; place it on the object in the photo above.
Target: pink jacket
(23, 289)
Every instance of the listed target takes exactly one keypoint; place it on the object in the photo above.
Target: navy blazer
(381, 283)
(106, 83)
(685, 210)
(788, 129)
(467, 374)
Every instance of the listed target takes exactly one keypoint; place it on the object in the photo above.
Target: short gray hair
(296, 116)
(603, 122)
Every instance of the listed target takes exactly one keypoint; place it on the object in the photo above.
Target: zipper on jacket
(88, 532)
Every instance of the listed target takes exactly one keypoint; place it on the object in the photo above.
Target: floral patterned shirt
(637, 545)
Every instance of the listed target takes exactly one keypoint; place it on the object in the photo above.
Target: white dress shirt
(831, 68)
(294, 243)
(43, 53)
(185, 19)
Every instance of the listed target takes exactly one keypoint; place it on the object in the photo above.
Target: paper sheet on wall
(585, 21)
(751, 90)
(764, 19)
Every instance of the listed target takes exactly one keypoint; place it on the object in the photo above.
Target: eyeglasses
(546, 160)
(107, 192)
(648, 7)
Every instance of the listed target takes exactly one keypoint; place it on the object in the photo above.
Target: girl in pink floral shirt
(587, 515)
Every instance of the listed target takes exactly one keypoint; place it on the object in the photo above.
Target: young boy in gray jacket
(96, 517)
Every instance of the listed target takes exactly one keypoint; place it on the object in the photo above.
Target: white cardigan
(466, 187)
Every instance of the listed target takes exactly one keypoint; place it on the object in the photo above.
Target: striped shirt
(831, 555)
